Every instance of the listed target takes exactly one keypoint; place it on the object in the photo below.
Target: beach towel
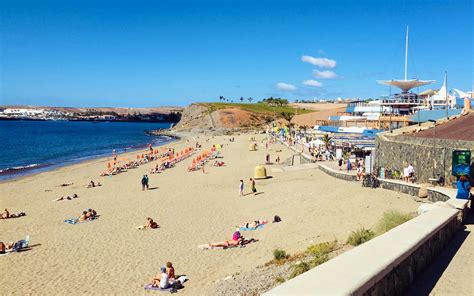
(150, 287)
(182, 279)
(207, 247)
(251, 228)
(19, 246)
(76, 221)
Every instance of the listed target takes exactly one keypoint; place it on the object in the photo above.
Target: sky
(156, 53)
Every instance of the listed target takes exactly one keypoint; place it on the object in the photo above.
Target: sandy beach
(110, 256)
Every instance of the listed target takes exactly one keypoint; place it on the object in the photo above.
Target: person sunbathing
(237, 239)
(5, 214)
(254, 224)
(149, 224)
(170, 271)
(219, 163)
(66, 184)
(93, 184)
(91, 214)
(66, 197)
(161, 280)
(83, 217)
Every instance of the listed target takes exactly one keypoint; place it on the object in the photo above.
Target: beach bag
(276, 219)
(177, 285)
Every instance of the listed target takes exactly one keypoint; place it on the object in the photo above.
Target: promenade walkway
(453, 271)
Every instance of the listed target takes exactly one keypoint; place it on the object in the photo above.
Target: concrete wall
(385, 265)
(428, 156)
(402, 187)
(340, 175)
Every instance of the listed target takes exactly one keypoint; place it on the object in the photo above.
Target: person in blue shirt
(464, 188)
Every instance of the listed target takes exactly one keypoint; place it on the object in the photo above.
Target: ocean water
(31, 146)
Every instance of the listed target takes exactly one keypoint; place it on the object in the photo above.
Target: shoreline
(36, 169)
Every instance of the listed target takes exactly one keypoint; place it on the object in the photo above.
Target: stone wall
(340, 175)
(403, 275)
(385, 265)
(399, 187)
(428, 156)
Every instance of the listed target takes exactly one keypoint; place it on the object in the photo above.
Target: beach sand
(110, 255)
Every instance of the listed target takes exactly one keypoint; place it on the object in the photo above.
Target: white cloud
(285, 86)
(320, 62)
(324, 74)
(312, 83)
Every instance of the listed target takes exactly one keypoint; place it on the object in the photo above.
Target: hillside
(233, 116)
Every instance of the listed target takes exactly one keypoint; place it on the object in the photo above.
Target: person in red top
(170, 270)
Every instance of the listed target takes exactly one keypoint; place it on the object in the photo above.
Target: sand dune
(110, 256)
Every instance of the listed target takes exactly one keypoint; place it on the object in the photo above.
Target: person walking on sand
(145, 182)
(202, 168)
(252, 184)
(241, 188)
(340, 163)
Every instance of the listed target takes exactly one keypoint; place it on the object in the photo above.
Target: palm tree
(250, 99)
(326, 140)
(242, 99)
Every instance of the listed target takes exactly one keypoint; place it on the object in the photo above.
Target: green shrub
(299, 268)
(360, 236)
(279, 254)
(322, 248)
(391, 219)
(279, 279)
(319, 260)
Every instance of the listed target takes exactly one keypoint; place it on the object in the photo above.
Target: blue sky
(151, 53)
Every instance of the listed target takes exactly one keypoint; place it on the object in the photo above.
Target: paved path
(453, 271)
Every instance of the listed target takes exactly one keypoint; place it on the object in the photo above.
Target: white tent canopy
(406, 85)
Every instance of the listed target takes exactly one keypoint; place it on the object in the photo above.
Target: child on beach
(241, 188)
